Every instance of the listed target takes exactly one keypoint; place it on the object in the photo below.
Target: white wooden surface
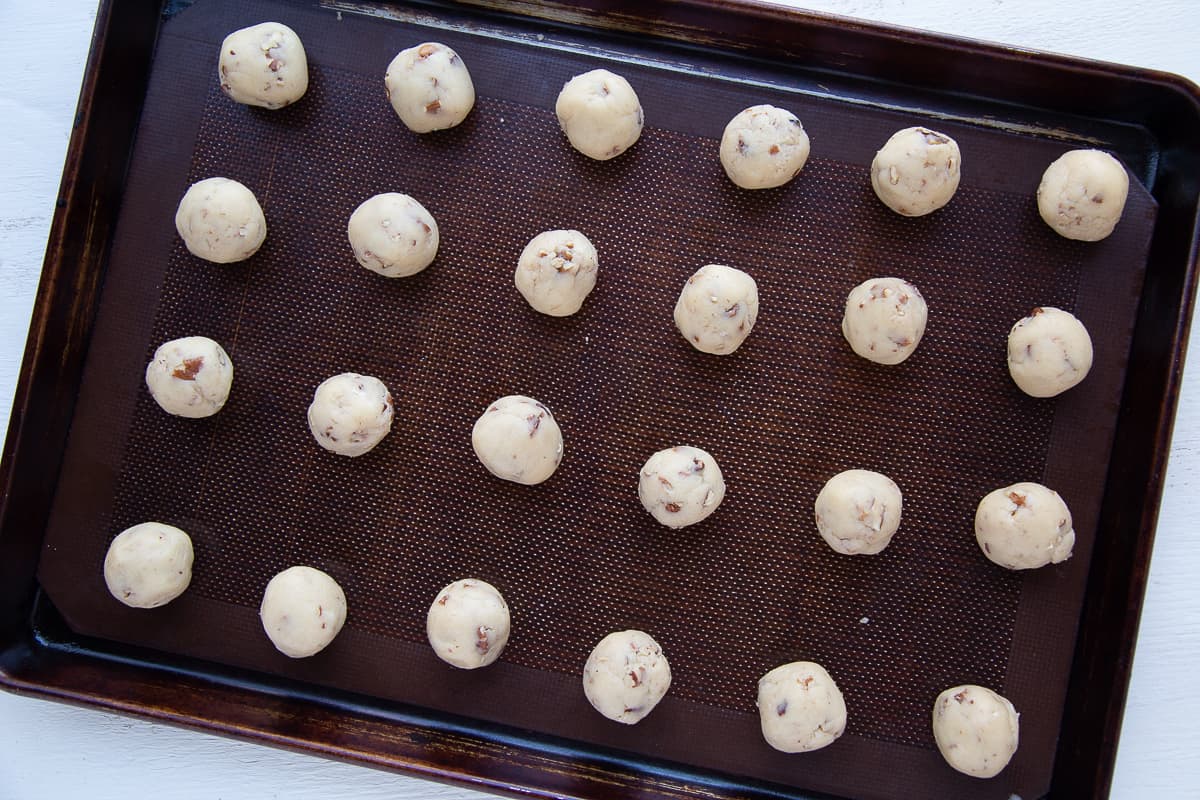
(53, 751)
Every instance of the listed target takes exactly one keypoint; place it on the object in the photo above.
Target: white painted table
(53, 751)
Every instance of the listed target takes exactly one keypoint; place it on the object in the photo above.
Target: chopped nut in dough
(917, 171)
(800, 707)
(1049, 352)
(557, 271)
(763, 147)
(626, 676)
(1082, 194)
(858, 511)
(600, 114)
(681, 486)
(1024, 526)
(263, 65)
(976, 730)
(717, 309)
(429, 87)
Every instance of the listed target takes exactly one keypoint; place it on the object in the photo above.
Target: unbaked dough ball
(763, 147)
(717, 309)
(148, 565)
(429, 87)
(517, 439)
(681, 486)
(626, 675)
(468, 624)
(917, 171)
(1024, 526)
(264, 65)
(190, 377)
(1082, 194)
(885, 319)
(557, 271)
(600, 113)
(800, 707)
(1048, 352)
(975, 729)
(220, 220)
(350, 413)
(302, 610)
(393, 234)
(858, 511)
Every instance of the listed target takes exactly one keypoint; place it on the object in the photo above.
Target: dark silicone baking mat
(577, 557)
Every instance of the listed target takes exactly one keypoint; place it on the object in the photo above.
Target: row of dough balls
(625, 676)
(517, 439)
(1049, 351)
(1081, 196)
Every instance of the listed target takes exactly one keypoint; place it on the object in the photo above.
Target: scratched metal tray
(750, 588)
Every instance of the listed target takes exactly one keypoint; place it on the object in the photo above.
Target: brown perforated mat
(577, 557)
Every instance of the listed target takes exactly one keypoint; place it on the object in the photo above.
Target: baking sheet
(752, 587)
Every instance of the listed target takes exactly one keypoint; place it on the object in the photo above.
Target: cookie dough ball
(600, 113)
(1082, 194)
(626, 675)
(220, 220)
(517, 439)
(858, 512)
(148, 565)
(1048, 352)
(800, 707)
(429, 87)
(264, 65)
(302, 610)
(1024, 526)
(190, 377)
(917, 171)
(763, 147)
(975, 729)
(393, 234)
(717, 309)
(468, 624)
(350, 413)
(557, 271)
(681, 486)
(884, 320)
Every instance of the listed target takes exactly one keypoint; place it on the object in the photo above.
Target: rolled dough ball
(517, 439)
(681, 486)
(917, 171)
(302, 610)
(190, 377)
(350, 413)
(1024, 526)
(1048, 352)
(393, 234)
(858, 511)
(626, 675)
(763, 147)
(468, 624)
(717, 309)
(148, 565)
(800, 707)
(975, 729)
(264, 65)
(219, 220)
(557, 271)
(885, 319)
(1082, 194)
(429, 87)
(600, 113)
